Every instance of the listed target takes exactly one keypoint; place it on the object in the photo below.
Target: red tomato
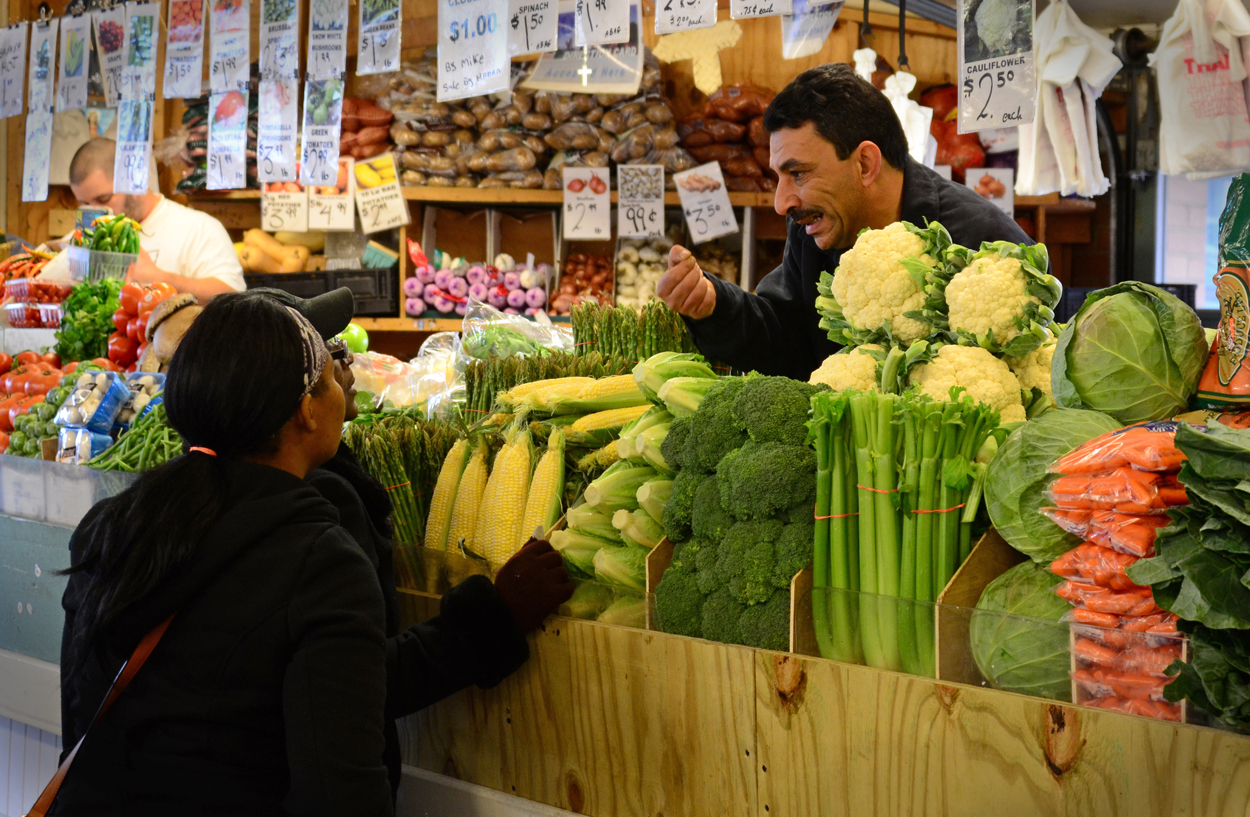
(6, 363)
(4, 441)
(23, 406)
(27, 358)
(71, 368)
(52, 359)
(143, 347)
(106, 364)
(122, 350)
(43, 381)
(6, 404)
(120, 318)
(130, 297)
(155, 294)
(13, 381)
(134, 330)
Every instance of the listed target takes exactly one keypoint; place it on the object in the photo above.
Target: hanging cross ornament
(585, 71)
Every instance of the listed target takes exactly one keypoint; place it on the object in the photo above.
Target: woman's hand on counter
(684, 287)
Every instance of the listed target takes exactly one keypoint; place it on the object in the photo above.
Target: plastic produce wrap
(1132, 534)
(1127, 490)
(1145, 446)
(1095, 564)
(94, 403)
(489, 332)
(388, 380)
(1104, 600)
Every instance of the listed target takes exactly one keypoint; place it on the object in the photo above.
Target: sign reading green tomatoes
(472, 48)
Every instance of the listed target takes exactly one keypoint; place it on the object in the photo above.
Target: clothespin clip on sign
(902, 34)
(45, 14)
(865, 28)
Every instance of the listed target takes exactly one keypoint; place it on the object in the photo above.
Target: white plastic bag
(1204, 131)
(914, 117)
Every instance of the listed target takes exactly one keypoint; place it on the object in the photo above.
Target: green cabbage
(1133, 351)
(1015, 487)
(1014, 650)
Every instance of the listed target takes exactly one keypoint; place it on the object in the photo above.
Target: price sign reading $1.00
(705, 203)
(472, 48)
(599, 22)
(283, 206)
(333, 207)
(997, 83)
(640, 205)
(587, 203)
(532, 26)
(378, 198)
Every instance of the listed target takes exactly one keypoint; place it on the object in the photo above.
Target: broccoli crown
(709, 519)
(714, 430)
(684, 554)
(759, 480)
(746, 560)
(680, 505)
(793, 550)
(775, 409)
(705, 567)
(674, 444)
(767, 625)
(721, 614)
(679, 604)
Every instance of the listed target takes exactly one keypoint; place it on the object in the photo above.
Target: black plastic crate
(1074, 297)
(376, 290)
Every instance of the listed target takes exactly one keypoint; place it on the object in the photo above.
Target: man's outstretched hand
(683, 286)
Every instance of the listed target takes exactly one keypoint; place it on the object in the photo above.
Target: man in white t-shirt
(185, 248)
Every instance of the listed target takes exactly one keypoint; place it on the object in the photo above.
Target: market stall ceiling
(1101, 14)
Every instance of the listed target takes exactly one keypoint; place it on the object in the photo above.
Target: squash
(270, 246)
(257, 260)
(315, 240)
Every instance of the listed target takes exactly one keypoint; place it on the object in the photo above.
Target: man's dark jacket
(777, 332)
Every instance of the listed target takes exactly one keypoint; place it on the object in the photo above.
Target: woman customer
(478, 637)
(265, 695)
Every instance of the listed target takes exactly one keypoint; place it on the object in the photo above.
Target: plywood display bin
(614, 721)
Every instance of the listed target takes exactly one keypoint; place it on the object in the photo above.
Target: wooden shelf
(1054, 204)
(409, 324)
(475, 195)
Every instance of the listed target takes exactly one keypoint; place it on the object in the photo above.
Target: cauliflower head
(879, 288)
(1033, 370)
(988, 298)
(986, 378)
(846, 371)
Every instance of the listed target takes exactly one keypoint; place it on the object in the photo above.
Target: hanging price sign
(142, 26)
(597, 22)
(378, 197)
(332, 207)
(37, 154)
(184, 49)
(640, 201)
(284, 206)
(42, 61)
(230, 49)
(744, 9)
(12, 66)
(227, 141)
(705, 203)
(277, 122)
(323, 114)
(532, 26)
(380, 24)
(71, 85)
(805, 29)
(596, 69)
(327, 39)
(587, 204)
(134, 146)
(472, 48)
(997, 79)
(110, 38)
(684, 15)
(279, 39)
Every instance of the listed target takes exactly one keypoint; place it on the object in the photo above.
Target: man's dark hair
(95, 154)
(844, 109)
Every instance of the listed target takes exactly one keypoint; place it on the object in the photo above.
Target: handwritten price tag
(378, 198)
(277, 124)
(35, 159)
(997, 86)
(805, 29)
(42, 62)
(597, 22)
(705, 203)
(12, 65)
(71, 86)
(327, 39)
(323, 114)
(284, 210)
(142, 26)
(532, 26)
(744, 9)
(640, 205)
(684, 15)
(380, 24)
(472, 48)
(333, 207)
(227, 140)
(134, 146)
(110, 37)
(184, 49)
(229, 61)
(279, 39)
(587, 204)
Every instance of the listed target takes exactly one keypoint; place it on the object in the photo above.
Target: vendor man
(185, 248)
(842, 162)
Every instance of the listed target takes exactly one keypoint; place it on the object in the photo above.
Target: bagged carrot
(1159, 710)
(1127, 490)
(1101, 600)
(1100, 683)
(1095, 564)
(1133, 534)
(1146, 446)
(1122, 632)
